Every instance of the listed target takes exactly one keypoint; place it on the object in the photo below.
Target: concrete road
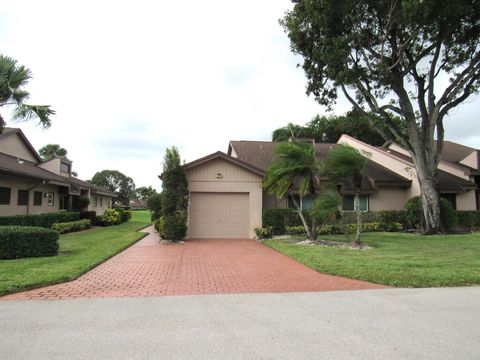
(366, 324)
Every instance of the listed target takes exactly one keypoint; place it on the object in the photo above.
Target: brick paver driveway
(195, 267)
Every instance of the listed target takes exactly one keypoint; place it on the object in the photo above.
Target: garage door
(219, 215)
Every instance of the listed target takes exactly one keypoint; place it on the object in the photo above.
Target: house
(29, 185)
(227, 198)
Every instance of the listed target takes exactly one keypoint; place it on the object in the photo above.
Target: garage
(225, 198)
(219, 215)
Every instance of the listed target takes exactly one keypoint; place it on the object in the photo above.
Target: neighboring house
(29, 185)
(137, 204)
(227, 198)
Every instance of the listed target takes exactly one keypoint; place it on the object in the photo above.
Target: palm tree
(13, 78)
(294, 166)
(345, 163)
(51, 151)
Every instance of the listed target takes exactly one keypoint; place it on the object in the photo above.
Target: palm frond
(25, 112)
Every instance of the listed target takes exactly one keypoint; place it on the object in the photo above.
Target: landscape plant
(174, 196)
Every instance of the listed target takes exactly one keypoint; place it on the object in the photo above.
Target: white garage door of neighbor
(219, 215)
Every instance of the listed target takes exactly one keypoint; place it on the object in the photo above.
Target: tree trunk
(359, 218)
(302, 218)
(427, 177)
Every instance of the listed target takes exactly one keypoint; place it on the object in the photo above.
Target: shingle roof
(13, 165)
(455, 152)
(261, 154)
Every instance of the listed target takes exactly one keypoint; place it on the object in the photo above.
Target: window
(5, 196)
(96, 201)
(101, 201)
(22, 199)
(50, 199)
(348, 203)
(451, 198)
(37, 198)
(305, 202)
(64, 167)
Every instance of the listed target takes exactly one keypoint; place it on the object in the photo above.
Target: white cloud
(129, 79)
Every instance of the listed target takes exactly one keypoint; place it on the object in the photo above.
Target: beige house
(29, 185)
(227, 198)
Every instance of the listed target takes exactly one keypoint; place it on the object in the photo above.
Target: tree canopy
(413, 59)
(143, 193)
(115, 181)
(50, 151)
(13, 79)
(328, 129)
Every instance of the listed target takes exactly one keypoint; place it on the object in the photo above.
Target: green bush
(160, 226)
(39, 220)
(338, 229)
(63, 228)
(110, 217)
(448, 216)
(27, 241)
(175, 226)
(264, 232)
(392, 216)
(125, 215)
(414, 212)
(469, 219)
(90, 215)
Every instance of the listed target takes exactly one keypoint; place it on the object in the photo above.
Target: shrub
(296, 230)
(39, 220)
(80, 202)
(125, 215)
(393, 216)
(154, 204)
(27, 241)
(110, 217)
(264, 232)
(66, 227)
(469, 219)
(175, 226)
(414, 212)
(448, 216)
(160, 226)
(90, 215)
(338, 229)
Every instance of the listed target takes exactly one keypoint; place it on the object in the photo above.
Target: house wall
(13, 145)
(388, 198)
(466, 201)
(19, 183)
(471, 160)
(203, 178)
(106, 203)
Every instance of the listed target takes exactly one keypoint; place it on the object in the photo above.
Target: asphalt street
(382, 324)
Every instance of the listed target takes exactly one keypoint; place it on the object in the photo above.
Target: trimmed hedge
(90, 215)
(27, 241)
(114, 216)
(469, 219)
(39, 220)
(338, 229)
(66, 227)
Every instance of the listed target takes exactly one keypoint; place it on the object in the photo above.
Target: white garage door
(219, 215)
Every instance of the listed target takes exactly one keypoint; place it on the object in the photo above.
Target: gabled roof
(223, 156)
(261, 154)
(455, 152)
(11, 131)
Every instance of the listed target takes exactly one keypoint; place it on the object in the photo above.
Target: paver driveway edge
(144, 233)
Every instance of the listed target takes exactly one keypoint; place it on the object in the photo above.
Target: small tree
(154, 204)
(326, 205)
(175, 196)
(345, 163)
(294, 170)
(115, 181)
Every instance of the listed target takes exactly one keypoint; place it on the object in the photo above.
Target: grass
(397, 259)
(79, 252)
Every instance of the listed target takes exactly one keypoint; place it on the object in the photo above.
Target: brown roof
(261, 153)
(13, 165)
(455, 152)
(95, 189)
(222, 155)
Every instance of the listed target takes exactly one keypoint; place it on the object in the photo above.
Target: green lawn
(79, 252)
(397, 259)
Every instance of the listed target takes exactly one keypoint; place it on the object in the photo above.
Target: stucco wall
(106, 203)
(203, 178)
(13, 145)
(387, 198)
(18, 183)
(466, 201)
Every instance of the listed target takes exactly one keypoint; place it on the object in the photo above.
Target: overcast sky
(131, 78)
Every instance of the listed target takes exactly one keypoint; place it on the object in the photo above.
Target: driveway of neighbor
(194, 267)
(369, 324)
